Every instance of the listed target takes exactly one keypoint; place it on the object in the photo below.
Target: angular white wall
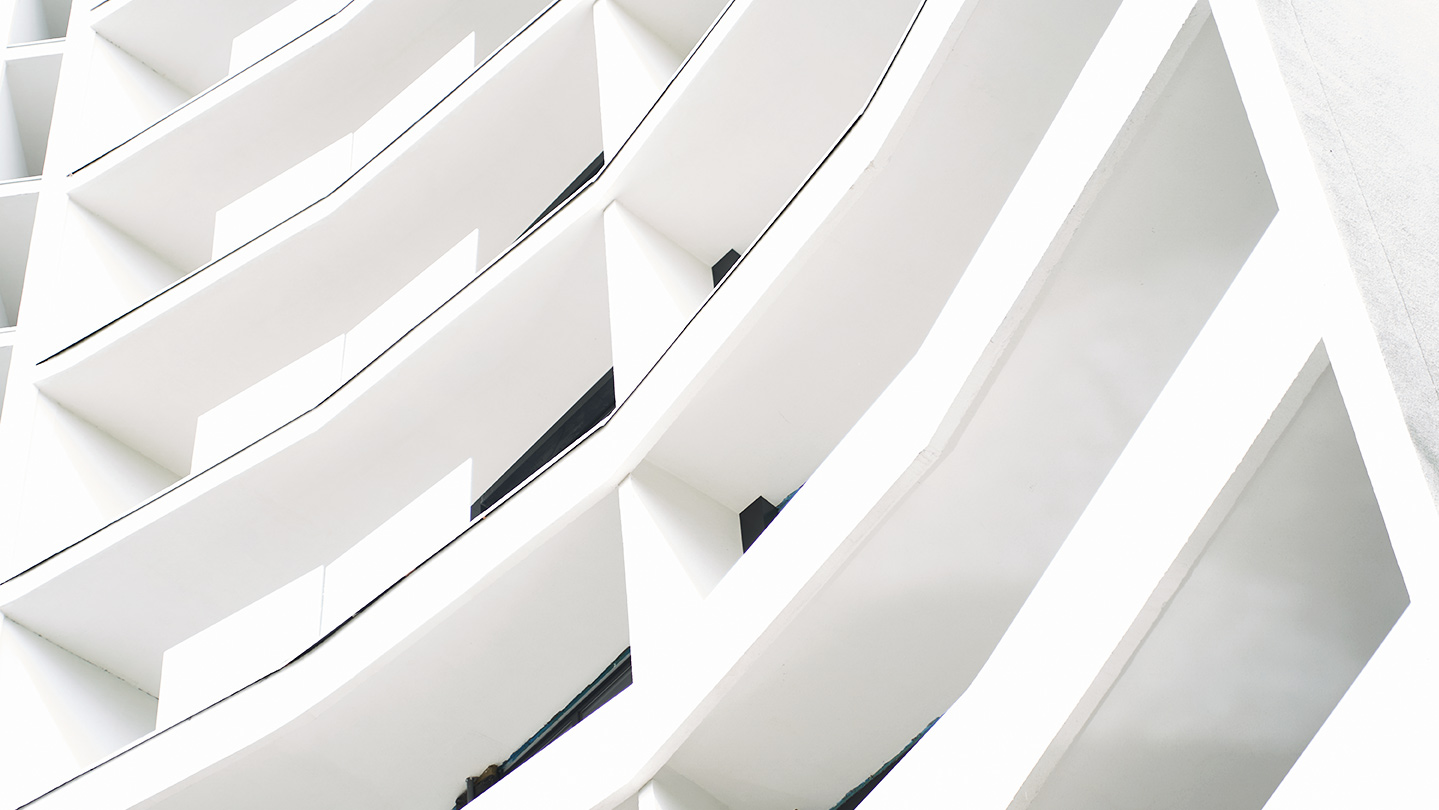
(678, 544)
(654, 285)
(634, 66)
(58, 713)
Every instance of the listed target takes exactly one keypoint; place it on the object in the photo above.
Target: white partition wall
(278, 29)
(634, 66)
(28, 94)
(678, 545)
(39, 20)
(59, 712)
(654, 285)
(247, 645)
(718, 405)
(17, 223)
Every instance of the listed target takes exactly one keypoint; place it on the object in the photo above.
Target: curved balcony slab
(187, 43)
(18, 203)
(188, 509)
(41, 592)
(34, 21)
(28, 597)
(921, 219)
(78, 376)
(605, 759)
(902, 630)
(343, 467)
(542, 623)
(276, 296)
(1231, 684)
(324, 84)
(814, 671)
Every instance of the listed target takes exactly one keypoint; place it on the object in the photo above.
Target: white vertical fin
(60, 713)
(654, 285)
(80, 478)
(634, 66)
(670, 791)
(678, 543)
(124, 96)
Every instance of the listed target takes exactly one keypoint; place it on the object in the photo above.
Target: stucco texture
(1363, 78)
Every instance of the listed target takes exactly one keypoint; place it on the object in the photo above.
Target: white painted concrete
(17, 223)
(398, 547)
(498, 176)
(414, 101)
(28, 97)
(7, 351)
(654, 288)
(38, 20)
(123, 96)
(417, 299)
(1282, 609)
(276, 30)
(670, 791)
(1041, 466)
(58, 714)
(80, 477)
(678, 545)
(1004, 723)
(266, 405)
(1376, 746)
(233, 652)
(147, 30)
(282, 197)
(12, 148)
(634, 66)
(115, 271)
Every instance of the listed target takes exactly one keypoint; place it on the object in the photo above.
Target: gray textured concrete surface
(1364, 76)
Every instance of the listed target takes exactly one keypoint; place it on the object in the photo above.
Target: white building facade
(705, 405)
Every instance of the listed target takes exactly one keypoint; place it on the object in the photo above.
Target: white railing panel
(237, 650)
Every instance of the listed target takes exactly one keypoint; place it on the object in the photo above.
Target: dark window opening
(584, 177)
(757, 516)
(615, 679)
(754, 520)
(719, 268)
(595, 405)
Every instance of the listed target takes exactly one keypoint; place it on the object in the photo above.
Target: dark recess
(723, 265)
(615, 679)
(754, 520)
(584, 177)
(596, 404)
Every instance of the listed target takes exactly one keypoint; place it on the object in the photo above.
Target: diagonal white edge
(1232, 395)
(500, 542)
(218, 92)
(196, 486)
(1377, 747)
(577, 740)
(200, 481)
(80, 366)
(355, 183)
(292, 432)
(655, 286)
(1384, 441)
(634, 67)
(1381, 727)
(834, 511)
